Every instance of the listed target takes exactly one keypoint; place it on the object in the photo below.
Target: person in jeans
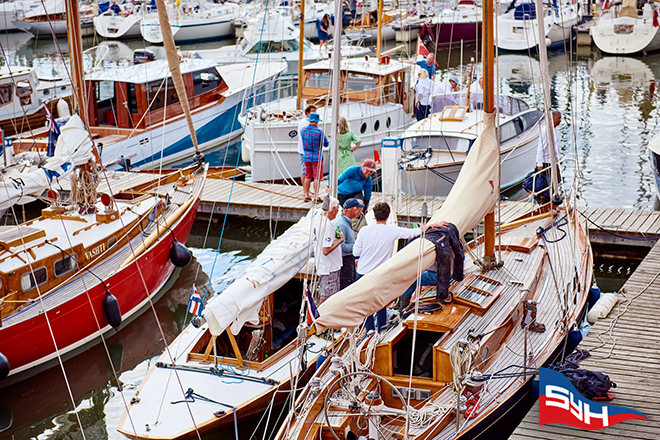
(374, 246)
(352, 209)
(327, 253)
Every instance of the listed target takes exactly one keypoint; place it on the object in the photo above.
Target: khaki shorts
(329, 285)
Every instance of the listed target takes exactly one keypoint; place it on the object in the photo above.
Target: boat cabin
(278, 35)
(138, 96)
(18, 90)
(362, 80)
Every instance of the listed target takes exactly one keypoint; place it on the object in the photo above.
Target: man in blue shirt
(356, 182)
(352, 209)
(428, 65)
(313, 140)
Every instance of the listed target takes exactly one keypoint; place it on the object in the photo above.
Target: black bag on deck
(590, 383)
(537, 185)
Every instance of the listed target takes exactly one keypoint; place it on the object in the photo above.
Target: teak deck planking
(632, 364)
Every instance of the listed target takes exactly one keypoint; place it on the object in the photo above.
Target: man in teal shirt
(356, 183)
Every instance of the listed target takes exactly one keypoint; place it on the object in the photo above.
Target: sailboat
(620, 30)
(90, 264)
(454, 371)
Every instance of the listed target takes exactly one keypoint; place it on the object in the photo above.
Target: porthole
(388, 122)
(293, 133)
(363, 128)
(376, 125)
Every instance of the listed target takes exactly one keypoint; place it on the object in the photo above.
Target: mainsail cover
(473, 195)
(74, 147)
(275, 266)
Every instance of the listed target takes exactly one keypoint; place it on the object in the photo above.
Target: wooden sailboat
(453, 372)
(88, 265)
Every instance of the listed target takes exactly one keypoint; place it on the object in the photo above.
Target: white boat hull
(272, 146)
(521, 35)
(387, 33)
(41, 27)
(117, 26)
(192, 30)
(643, 36)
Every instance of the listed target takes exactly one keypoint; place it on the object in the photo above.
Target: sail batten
(473, 195)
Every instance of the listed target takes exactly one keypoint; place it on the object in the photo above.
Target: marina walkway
(625, 346)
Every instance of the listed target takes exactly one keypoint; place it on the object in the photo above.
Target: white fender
(602, 307)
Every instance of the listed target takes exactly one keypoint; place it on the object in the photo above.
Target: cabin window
(359, 81)
(205, 80)
(6, 93)
(111, 242)
(24, 92)
(511, 129)
(156, 94)
(480, 290)
(318, 80)
(437, 143)
(267, 47)
(106, 102)
(131, 98)
(291, 46)
(65, 265)
(30, 280)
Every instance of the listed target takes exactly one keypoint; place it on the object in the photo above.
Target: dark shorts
(314, 170)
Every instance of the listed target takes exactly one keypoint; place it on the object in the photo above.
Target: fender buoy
(111, 310)
(4, 366)
(180, 256)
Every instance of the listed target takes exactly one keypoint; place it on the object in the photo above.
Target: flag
(560, 402)
(53, 132)
(195, 303)
(604, 4)
(312, 313)
(422, 51)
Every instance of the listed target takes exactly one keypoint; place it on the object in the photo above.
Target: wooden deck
(626, 346)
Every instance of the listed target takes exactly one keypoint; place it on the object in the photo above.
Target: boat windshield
(436, 142)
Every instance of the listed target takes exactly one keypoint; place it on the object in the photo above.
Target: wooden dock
(625, 346)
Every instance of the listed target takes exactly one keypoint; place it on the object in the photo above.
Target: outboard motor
(143, 56)
(4, 366)
(180, 256)
(111, 310)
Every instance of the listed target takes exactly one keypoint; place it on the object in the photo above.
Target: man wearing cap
(313, 140)
(352, 209)
(327, 251)
(304, 122)
(356, 183)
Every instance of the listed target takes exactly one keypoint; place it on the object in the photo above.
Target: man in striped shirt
(313, 140)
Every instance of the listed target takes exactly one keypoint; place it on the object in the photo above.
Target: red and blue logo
(560, 402)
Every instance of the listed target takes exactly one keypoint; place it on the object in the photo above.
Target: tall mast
(301, 42)
(488, 53)
(336, 100)
(175, 70)
(74, 38)
(545, 80)
(380, 27)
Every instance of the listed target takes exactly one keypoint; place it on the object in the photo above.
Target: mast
(549, 120)
(380, 27)
(336, 100)
(175, 70)
(74, 39)
(488, 53)
(301, 41)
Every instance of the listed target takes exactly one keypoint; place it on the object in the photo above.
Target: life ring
(186, 9)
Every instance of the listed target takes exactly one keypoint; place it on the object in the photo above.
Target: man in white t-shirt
(304, 122)
(543, 158)
(374, 246)
(327, 250)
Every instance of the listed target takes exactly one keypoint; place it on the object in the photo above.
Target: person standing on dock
(304, 122)
(352, 209)
(314, 141)
(374, 246)
(327, 255)
(356, 183)
(429, 65)
(348, 142)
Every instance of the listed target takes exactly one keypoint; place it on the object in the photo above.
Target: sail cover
(275, 266)
(473, 195)
(74, 147)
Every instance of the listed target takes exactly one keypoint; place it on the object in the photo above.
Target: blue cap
(353, 203)
(314, 117)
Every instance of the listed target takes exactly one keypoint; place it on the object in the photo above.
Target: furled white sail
(275, 266)
(473, 195)
(74, 147)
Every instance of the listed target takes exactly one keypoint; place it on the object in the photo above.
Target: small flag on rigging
(53, 132)
(312, 313)
(422, 51)
(195, 303)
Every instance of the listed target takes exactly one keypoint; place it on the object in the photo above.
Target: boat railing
(544, 190)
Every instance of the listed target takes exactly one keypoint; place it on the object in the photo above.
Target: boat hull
(79, 320)
(187, 31)
(448, 34)
(117, 26)
(644, 37)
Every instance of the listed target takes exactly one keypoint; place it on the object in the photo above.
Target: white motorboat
(278, 40)
(193, 22)
(49, 17)
(376, 102)
(435, 148)
(137, 117)
(621, 31)
(517, 29)
(10, 10)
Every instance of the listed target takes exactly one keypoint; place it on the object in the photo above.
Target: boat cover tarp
(524, 11)
(629, 9)
(275, 266)
(74, 147)
(473, 195)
